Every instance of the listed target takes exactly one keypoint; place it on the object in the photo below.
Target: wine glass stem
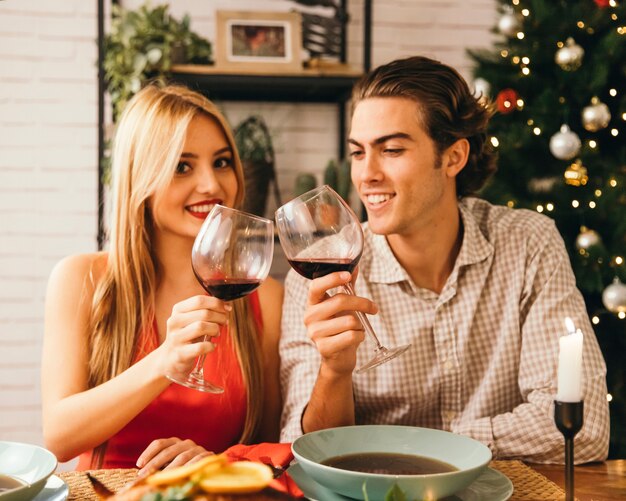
(364, 321)
(198, 370)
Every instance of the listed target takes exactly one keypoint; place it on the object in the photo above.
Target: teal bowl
(470, 458)
(29, 463)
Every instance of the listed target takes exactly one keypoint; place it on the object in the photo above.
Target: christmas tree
(557, 76)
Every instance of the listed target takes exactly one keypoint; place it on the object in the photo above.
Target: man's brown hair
(446, 107)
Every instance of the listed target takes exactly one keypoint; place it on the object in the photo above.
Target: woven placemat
(80, 485)
(528, 484)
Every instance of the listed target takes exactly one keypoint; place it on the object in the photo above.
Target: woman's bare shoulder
(86, 269)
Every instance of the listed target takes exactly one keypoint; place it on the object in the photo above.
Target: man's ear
(455, 157)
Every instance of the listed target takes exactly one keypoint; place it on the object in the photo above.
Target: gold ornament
(576, 174)
(570, 57)
(596, 116)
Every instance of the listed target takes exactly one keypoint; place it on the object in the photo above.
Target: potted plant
(142, 45)
(254, 145)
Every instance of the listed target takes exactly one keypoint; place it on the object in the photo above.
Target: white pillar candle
(569, 387)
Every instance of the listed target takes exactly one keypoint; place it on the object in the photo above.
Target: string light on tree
(565, 144)
(596, 116)
(570, 56)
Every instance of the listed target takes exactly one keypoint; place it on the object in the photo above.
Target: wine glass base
(383, 355)
(197, 383)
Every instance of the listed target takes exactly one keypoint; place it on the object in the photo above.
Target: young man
(479, 291)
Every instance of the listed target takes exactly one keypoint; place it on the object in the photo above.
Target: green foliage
(140, 47)
(304, 182)
(174, 493)
(253, 141)
(331, 174)
(337, 176)
(394, 494)
(530, 176)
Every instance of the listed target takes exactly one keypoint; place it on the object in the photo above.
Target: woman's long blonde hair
(147, 147)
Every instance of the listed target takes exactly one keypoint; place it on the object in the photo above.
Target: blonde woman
(117, 322)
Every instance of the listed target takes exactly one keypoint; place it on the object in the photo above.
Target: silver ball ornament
(509, 24)
(587, 238)
(565, 144)
(614, 297)
(570, 57)
(596, 116)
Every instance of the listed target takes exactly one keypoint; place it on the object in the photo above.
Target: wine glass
(231, 256)
(320, 234)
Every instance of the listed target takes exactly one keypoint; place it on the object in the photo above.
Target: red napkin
(275, 455)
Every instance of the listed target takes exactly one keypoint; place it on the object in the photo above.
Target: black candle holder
(568, 417)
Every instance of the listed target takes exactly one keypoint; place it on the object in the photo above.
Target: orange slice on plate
(176, 475)
(238, 478)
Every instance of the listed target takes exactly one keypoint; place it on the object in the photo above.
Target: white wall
(48, 180)
(48, 144)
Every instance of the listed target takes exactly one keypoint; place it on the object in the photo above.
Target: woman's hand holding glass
(196, 318)
(231, 256)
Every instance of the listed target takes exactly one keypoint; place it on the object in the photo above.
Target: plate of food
(213, 478)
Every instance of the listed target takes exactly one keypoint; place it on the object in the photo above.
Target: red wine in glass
(228, 289)
(314, 268)
(320, 234)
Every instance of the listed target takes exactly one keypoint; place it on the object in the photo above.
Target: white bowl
(30, 464)
(467, 455)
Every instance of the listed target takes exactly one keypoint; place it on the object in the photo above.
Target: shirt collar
(385, 268)
(475, 247)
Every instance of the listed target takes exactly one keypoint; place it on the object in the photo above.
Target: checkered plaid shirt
(483, 360)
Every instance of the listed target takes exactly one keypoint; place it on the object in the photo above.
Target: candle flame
(569, 325)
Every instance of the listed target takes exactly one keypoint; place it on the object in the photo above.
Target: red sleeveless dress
(213, 421)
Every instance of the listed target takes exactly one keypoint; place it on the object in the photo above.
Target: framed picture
(258, 41)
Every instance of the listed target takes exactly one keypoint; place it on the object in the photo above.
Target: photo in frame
(258, 41)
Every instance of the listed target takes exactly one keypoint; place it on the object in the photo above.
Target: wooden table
(593, 481)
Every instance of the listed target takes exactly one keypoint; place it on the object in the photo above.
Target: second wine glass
(320, 234)
(231, 256)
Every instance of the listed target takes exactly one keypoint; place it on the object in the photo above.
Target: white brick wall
(48, 180)
(48, 144)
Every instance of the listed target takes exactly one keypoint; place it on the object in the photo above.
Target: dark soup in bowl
(389, 463)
